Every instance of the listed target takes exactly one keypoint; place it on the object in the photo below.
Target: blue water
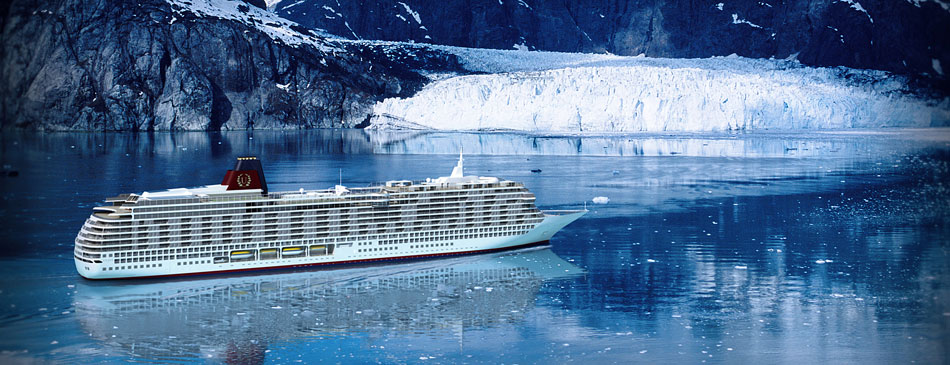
(766, 247)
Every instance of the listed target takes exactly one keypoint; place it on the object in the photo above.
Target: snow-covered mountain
(541, 91)
(903, 36)
(190, 65)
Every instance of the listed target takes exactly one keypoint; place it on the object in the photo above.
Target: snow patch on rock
(736, 20)
(415, 15)
(857, 6)
(269, 23)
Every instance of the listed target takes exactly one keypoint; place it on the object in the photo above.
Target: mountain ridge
(906, 37)
(157, 65)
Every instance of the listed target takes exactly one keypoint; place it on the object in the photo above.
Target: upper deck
(125, 206)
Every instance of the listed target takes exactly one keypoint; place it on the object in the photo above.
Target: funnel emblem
(244, 180)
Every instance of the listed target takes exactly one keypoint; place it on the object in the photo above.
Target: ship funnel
(247, 174)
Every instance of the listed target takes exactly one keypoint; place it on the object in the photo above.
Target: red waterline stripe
(350, 262)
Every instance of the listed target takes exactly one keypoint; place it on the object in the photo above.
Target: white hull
(342, 254)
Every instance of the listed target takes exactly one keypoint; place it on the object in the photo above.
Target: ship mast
(457, 171)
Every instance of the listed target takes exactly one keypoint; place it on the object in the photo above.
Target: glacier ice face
(546, 91)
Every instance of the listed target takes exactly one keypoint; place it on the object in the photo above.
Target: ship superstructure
(239, 225)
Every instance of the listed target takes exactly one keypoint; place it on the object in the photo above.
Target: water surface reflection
(235, 317)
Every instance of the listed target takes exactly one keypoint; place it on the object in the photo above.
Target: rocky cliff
(188, 65)
(909, 37)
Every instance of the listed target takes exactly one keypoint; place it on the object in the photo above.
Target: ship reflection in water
(233, 319)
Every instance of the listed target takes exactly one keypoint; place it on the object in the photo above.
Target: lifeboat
(318, 250)
(220, 260)
(268, 253)
(291, 251)
(240, 255)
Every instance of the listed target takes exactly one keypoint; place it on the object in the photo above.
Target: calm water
(753, 248)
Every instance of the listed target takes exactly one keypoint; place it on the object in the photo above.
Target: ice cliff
(543, 91)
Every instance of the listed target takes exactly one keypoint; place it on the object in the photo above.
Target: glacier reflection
(235, 318)
(824, 144)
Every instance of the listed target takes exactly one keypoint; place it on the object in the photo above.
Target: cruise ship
(238, 225)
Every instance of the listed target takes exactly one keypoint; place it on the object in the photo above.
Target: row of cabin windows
(206, 212)
(116, 268)
(233, 233)
(412, 237)
(433, 245)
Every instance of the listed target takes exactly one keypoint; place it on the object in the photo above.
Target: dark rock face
(121, 65)
(900, 36)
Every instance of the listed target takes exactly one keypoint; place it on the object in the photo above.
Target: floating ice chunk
(600, 200)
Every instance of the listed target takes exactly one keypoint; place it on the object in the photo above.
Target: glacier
(557, 92)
